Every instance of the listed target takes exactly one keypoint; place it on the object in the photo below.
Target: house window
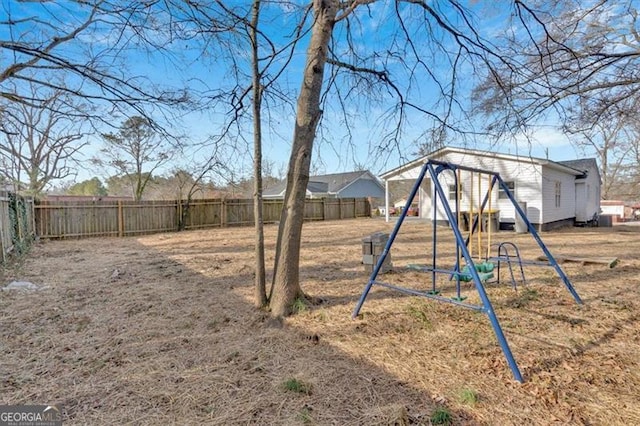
(452, 192)
(502, 194)
(558, 192)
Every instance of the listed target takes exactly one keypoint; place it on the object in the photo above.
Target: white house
(555, 193)
(613, 208)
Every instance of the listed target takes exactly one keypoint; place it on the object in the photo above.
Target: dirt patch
(161, 328)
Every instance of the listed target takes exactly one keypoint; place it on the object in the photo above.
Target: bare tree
(286, 283)
(574, 63)
(39, 145)
(260, 275)
(432, 140)
(628, 187)
(612, 141)
(135, 153)
(568, 60)
(79, 48)
(253, 84)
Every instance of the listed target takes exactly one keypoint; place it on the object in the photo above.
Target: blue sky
(337, 150)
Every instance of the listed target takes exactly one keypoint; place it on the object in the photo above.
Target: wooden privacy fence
(76, 219)
(16, 224)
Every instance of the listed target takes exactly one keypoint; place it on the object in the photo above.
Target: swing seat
(485, 272)
(484, 277)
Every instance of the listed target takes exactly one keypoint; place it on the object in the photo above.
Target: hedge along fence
(77, 219)
(16, 224)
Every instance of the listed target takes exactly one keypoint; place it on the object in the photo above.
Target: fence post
(179, 224)
(120, 219)
(2, 223)
(223, 213)
(33, 217)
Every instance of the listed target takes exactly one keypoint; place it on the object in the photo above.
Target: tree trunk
(260, 280)
(286, 284)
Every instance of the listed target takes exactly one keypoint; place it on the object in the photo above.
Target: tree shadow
(146, 338)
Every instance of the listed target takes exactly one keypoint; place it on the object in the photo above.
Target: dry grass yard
(160, 329)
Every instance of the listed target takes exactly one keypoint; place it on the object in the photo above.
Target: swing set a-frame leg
(387, 247)
(486, 303)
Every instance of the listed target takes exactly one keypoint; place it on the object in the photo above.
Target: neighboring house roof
(317, 187)
(332, 184)
(583, 164)
(447, 149)
(276, 190)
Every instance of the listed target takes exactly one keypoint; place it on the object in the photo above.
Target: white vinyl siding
(527, 178)
(558, 205)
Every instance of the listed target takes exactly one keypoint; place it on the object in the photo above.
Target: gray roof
(337, 181)
(323, 184)
(315, 186)
(582, 164)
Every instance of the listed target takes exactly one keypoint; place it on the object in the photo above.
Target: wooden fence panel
(74, 219)
(147, 217)
(362, 207)
(271, 210)
(314, 209)
(204, 213)
(239, 212)
(331, 209)
(347, 208)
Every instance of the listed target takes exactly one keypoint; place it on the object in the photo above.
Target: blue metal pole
(457, 225)
(434, 246)
(392, 237)
(547, 253)
(488, 308)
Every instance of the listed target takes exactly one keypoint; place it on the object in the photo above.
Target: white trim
(443, 151)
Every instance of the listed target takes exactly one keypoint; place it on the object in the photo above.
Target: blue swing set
(476, 272)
